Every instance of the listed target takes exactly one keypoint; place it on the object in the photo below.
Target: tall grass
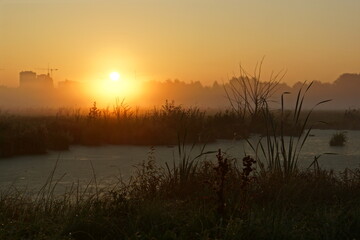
(124, 125)
(248, 95)
(279, 152)
(220, 204)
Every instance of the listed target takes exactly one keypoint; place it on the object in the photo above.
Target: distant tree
(216, 85)
(348, 79)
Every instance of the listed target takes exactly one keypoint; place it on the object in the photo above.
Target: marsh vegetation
(338, 139)
(219, 198)
(259, 196)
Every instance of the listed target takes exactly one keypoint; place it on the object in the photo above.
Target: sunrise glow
(114, 76)
(179, 119)
(117, 86)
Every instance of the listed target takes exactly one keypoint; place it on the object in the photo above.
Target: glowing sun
(115, 86)
(114, 76)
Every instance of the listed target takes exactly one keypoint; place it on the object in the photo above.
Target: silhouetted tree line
(343, 92)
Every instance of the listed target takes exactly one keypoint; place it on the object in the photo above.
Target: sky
(189, 40)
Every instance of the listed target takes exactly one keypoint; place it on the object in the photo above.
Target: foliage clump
(338, 139)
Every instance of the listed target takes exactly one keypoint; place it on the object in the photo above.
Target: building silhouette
(29, 80)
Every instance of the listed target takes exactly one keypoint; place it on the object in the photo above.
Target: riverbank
(225, 199)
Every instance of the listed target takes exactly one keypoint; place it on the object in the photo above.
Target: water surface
(108, 163)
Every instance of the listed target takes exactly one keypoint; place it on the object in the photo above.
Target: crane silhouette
(49, 70)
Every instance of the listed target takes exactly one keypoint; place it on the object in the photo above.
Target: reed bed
(21, 134)
(121, 125)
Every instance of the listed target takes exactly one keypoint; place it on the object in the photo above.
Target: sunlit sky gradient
(193, 40)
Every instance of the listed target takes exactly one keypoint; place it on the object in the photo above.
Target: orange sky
(190, 40)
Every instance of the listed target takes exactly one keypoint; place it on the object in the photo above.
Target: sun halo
(116, 85)
(114, 76)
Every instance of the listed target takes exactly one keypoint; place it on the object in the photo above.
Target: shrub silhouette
(338, 139)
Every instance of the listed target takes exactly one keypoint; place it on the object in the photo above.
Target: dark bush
(338, 139)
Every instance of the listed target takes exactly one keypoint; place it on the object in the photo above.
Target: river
(108, 163)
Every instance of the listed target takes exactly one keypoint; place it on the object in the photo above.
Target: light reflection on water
(113, 162)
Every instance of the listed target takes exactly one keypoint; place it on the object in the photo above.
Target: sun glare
(115, 86)
(114, 76)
